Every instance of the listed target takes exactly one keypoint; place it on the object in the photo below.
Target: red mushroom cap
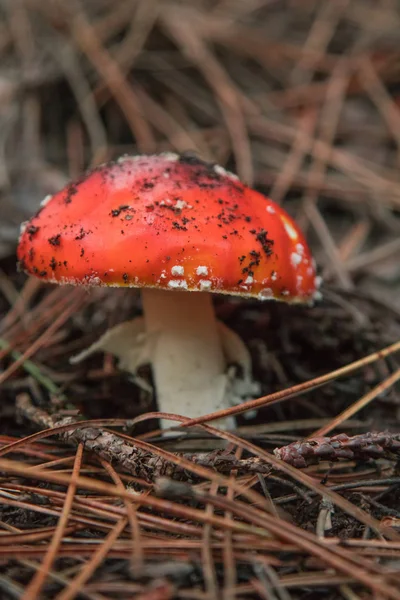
(168, 222)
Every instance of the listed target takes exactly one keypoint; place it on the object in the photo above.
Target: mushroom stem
(187, 357)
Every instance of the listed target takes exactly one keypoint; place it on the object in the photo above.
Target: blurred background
(301, 98)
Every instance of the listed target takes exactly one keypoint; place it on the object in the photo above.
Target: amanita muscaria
(180, 229)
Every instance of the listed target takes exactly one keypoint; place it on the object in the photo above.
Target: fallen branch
(136, 461)
(340, 447)
(149, 466)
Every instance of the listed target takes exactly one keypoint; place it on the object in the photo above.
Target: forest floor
(301, 501)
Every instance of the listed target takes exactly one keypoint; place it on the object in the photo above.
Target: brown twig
(144, 464)
(115, 450)
(340, 447)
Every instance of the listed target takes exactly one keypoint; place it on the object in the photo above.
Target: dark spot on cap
(190, 158)
(82, 252)
(53, 264)
(177, 225)
(55, 240)
(125, 277)
(262, 237)
(32, 229)
(71, 191)
(117, 211)
(81, 235)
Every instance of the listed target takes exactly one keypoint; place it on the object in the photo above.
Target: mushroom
(180, 229)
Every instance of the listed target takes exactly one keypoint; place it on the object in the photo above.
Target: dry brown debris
(302, 100)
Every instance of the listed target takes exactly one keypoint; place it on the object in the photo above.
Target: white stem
(187, 357)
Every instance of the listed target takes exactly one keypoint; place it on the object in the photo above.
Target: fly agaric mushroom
(179, 229)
